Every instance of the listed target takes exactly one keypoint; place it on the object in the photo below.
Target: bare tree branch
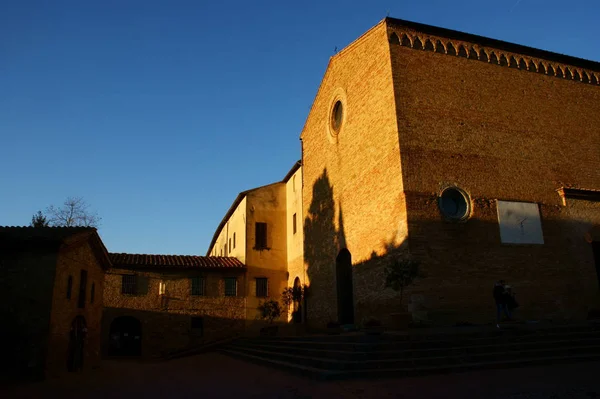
(73, 212)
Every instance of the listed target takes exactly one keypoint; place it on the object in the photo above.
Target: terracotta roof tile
(141, 261)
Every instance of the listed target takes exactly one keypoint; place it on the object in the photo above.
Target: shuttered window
(230, 286)
(262, 287)
(198, 286)
(261, 235)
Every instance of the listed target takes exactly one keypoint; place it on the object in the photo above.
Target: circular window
(337, 115)
(454, 204)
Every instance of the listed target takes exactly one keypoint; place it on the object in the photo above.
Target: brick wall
(495, 131)
(352, 186)
(498, 133)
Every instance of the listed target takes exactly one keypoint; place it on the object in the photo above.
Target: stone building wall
(74, 257)
(27, 279)
(166, 319)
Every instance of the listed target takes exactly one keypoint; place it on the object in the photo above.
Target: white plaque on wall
(519, 223)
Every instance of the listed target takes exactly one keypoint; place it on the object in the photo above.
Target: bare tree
(73, 212)
(39, 220)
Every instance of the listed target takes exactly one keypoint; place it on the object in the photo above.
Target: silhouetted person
(500, 298)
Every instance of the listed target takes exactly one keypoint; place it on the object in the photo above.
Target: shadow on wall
(461, 261)
(334, 280)
(147, 333)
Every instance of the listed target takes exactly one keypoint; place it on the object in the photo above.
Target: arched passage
(345, 293)
(125, 337)
(77, 335)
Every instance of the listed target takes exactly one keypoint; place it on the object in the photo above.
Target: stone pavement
(213, 375)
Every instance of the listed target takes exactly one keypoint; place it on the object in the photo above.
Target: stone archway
(125, 337)
(77, 335)
(345, 290)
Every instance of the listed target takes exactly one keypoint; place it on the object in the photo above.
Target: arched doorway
(125, 337)
(297, 304)
(345, 293)
(76, 344)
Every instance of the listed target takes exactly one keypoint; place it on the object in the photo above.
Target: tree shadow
(459, 263)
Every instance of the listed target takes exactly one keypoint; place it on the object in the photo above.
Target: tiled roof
(45, 233)
(27, 238)
(141, 261)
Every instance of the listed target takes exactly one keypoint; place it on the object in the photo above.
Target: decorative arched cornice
(493, 56)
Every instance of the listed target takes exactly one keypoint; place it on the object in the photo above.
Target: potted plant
(401, 273)
(269, 311)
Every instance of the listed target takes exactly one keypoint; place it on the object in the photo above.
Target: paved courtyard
(214, 375)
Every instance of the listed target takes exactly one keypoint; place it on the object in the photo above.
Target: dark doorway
(596, 249)
(125, 337)
(345, 294)
(76, 344)
(297, 304)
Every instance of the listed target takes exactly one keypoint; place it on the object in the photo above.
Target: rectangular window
(93, 293)
(225, 249)
(261, 235)
(162, 288)
(69, 286)
(230, 286)
(82, 288)
(262, 287)
(129, 284)
(198, 286)
(294, 223)
(230, 245)
(233, 240)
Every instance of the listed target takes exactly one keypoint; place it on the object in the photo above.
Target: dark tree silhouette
(39, 220)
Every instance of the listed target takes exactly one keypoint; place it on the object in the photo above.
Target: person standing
(500, 298)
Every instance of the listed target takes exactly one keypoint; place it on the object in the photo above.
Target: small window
(261, 235)
(230, 245)
(82, 288)
(69, 286)
(230, 286)
(454, 204)
(162, 288)
(197, 325)
(262, 287)
(294, 223)
(337, 116)
(233, 240)
(129, 284)
(198, 286)
(225, 249)
(93, 293)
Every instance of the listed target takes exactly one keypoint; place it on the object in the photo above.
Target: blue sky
(159, 112)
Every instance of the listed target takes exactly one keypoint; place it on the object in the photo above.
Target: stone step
(411, 371)
(368, 353)
(452, 334)
(337, 364)
(382, 343)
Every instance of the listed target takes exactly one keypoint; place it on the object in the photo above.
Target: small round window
(454, 204)
(337, 116)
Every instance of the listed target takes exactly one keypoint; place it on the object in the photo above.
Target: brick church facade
(479, 158)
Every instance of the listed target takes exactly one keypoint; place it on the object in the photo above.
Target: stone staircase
(358, 355)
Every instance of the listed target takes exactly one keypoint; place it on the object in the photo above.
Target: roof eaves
(495, 43)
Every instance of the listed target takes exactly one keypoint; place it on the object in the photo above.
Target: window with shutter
(261, 235)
